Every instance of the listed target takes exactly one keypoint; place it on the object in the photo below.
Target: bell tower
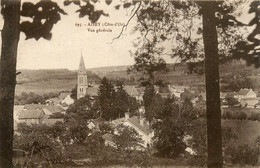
(82, 83)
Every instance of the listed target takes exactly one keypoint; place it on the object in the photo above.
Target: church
(82, 83)
(84, 88)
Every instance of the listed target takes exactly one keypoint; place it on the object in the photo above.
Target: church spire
(81, 63)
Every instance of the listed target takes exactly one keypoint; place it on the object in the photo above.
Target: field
(247, 131)
(45, 81)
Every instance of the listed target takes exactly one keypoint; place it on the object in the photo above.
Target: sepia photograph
(130, 83)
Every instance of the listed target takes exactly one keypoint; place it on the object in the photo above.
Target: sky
(69, 41)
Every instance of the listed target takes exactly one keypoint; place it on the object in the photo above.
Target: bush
(227, 115)
(254, 117)
(241, 115)
(242, 154)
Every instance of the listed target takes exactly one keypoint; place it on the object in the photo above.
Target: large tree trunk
(214, 137)
(10, 38)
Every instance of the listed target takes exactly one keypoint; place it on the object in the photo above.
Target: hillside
(52, 80)
(176, 75)
(42, 81)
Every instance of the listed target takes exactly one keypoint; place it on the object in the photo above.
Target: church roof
(82, 64)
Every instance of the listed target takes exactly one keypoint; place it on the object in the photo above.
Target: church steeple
(82, 79)
(81, 63)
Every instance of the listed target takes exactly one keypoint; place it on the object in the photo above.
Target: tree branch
(125, 25)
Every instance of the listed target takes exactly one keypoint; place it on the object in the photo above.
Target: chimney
(126, 115)
(142, 121)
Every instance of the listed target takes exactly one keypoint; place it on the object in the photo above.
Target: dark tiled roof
(136, 122)
(52, 109)
(243, 91)
(31, 114)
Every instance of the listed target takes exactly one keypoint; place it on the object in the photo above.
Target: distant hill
(177, 74)
(49, 80)
(42, 81)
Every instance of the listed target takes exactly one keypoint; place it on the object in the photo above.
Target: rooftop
(136, 122)
(31, 114)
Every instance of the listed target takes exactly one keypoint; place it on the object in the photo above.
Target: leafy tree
(114, 101)
(123, 101)
(231, 101)
(85, 107)
(78, 130)
(158, 22)
(32, 140)
(73, 94)
(94, 144)
(106, 98)
(127, 138)
(105, 128)
(149, 94)
(171, 126)
(12, 11)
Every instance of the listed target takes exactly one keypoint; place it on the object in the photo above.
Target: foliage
(236, 115)
(231, 101)
(38, 141)
(73, 94)
(106, 97)
(86, 107)
(127, 138)
(123, 101)
(147, 63)
(242, 154)
(198, 142)
(227, 115)
(170, 127)
(254, 116)
(114, 101)
(78, 130)
(149, 94)
(94, 143)
(105, 128)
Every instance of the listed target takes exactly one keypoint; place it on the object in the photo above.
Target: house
(245, 93)
(64, 97)
(53, 101)
(133, 92)
(31, 116)
(249, 102)
(140, 126)
(48, 109)
(95, 123)
(67, 100)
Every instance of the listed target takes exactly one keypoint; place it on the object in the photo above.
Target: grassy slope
(44, 81)
(247, 131)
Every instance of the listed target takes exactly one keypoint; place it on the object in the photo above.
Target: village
(54, 109)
